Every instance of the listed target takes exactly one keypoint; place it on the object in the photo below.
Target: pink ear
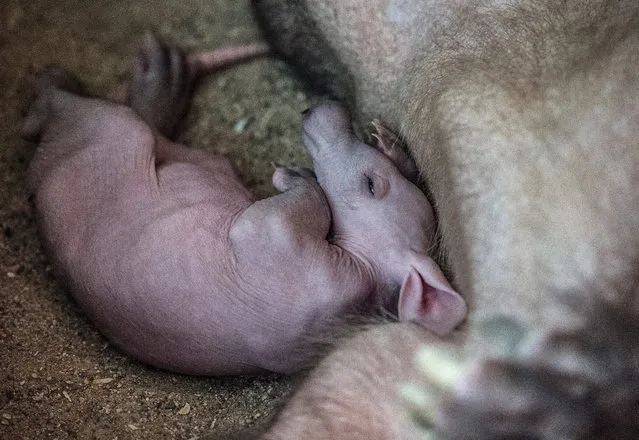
(388, 143)
(427, 298)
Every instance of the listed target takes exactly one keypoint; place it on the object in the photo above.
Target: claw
(422, 405)
(387, 141)
(441, 368)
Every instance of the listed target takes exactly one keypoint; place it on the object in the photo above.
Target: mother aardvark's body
(523, 118)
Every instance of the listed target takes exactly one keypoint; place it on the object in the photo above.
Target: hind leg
(162, 83)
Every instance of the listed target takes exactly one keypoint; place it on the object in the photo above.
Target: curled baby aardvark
(175, 262)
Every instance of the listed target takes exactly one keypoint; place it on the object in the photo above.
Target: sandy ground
(59, 378)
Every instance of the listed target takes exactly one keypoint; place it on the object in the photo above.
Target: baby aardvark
(176, 263)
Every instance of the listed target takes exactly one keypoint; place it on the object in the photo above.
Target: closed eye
(371, 185)
(376, 185)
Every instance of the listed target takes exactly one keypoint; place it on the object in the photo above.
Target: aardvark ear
(428, 299)
(392, 146)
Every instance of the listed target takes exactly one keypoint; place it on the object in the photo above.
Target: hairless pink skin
(176, 263)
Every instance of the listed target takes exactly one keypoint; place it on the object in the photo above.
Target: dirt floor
(59, 378)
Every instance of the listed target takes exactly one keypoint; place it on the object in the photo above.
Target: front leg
(569, 382)
(296, 217)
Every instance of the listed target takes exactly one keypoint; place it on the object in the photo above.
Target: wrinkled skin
(523, 120)
(176, 263)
